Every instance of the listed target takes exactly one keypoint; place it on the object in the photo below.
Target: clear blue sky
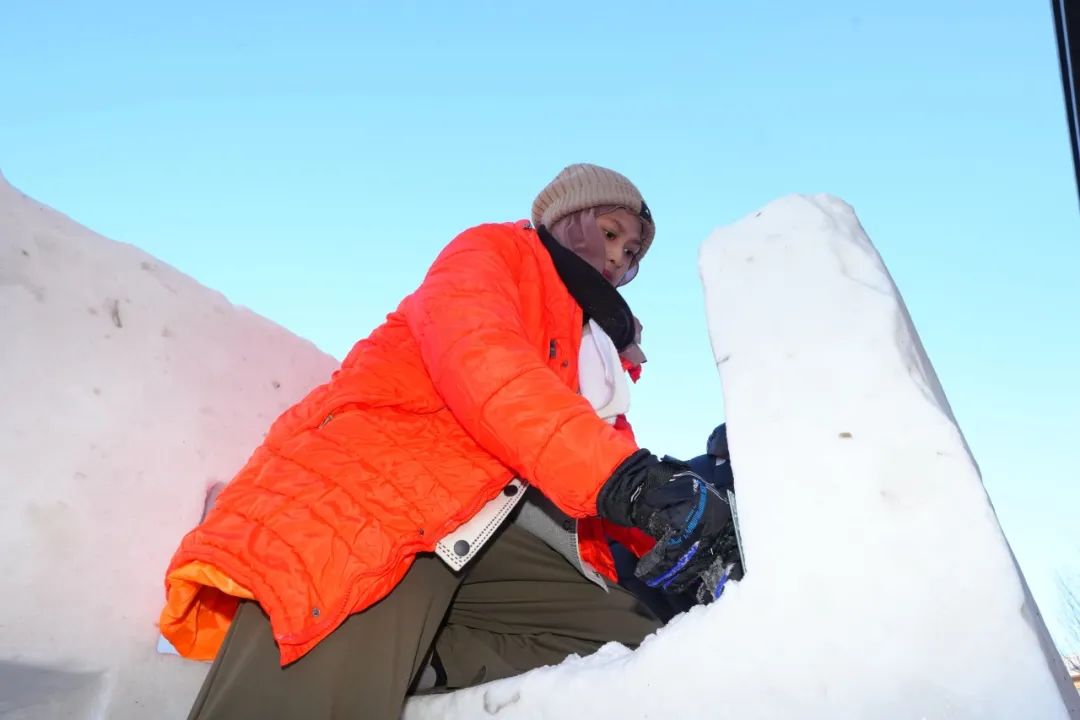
(310, 159)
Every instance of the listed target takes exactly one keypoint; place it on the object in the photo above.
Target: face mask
(580, 233)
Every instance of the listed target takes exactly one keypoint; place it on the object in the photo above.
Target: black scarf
(598, 298)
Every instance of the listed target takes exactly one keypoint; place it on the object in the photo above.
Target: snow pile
(879, 583)
(128, 390)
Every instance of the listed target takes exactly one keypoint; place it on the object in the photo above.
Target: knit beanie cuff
(583, 186)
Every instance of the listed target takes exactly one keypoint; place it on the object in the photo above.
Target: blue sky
(310, 161)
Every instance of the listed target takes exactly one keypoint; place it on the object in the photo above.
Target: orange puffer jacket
(470, 382)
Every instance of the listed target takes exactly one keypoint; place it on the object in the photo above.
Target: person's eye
(632, 252)
(609, 235)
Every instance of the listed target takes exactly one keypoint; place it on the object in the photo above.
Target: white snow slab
(127, 391)
(879, 583)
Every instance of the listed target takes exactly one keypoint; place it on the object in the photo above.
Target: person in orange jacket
(436, 514)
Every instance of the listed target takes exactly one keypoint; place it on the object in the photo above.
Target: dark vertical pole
(1067, 28)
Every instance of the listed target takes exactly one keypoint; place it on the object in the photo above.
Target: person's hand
(717, 445)
(696, 547)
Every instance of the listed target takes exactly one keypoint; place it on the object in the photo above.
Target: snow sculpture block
(127, 391)
(879, 583)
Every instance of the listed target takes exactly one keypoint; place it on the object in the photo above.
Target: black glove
(717, 445)
(715, 466)
(697, 549)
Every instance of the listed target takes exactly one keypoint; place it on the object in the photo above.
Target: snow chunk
(129, 391)
(879, 583)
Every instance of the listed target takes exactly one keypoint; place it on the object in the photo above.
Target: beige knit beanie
(584, 186)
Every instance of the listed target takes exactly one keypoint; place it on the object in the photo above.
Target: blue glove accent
(719, 589)
(667, 578)
(694, 517)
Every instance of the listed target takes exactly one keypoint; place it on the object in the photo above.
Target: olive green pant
(517, 606)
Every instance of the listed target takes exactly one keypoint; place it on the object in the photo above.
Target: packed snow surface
(879, 584)
(128, 391)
